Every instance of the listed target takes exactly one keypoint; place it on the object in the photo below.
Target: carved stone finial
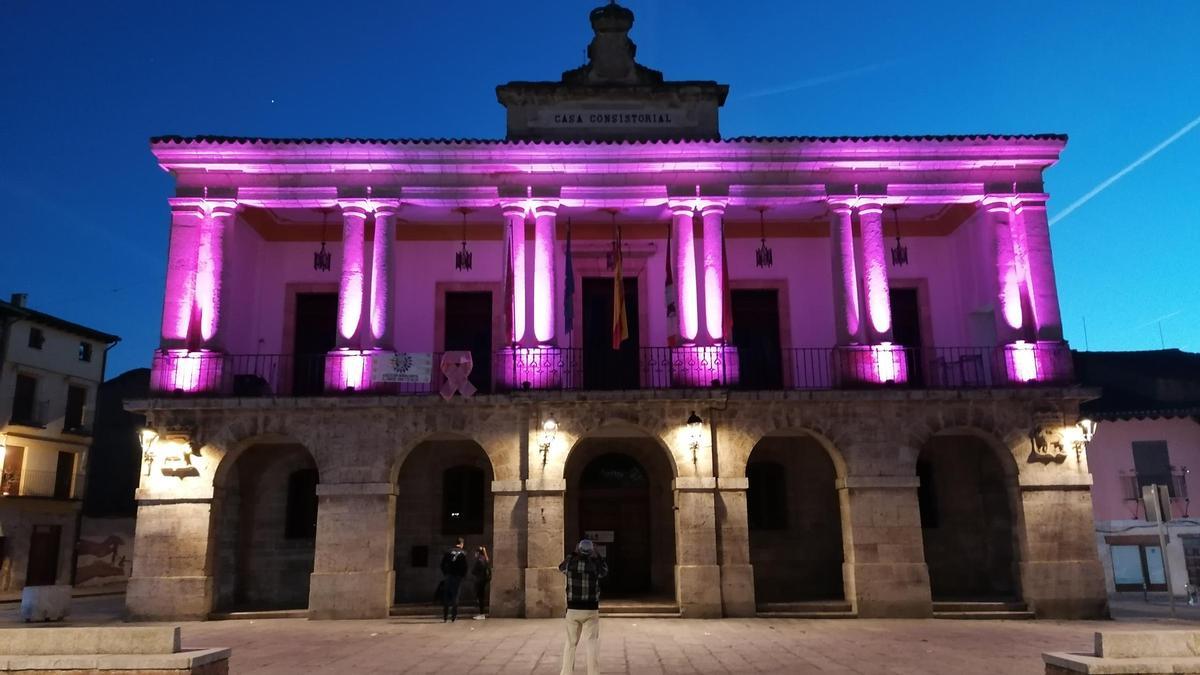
(611, 53)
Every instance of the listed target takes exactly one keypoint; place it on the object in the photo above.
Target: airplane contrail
(814, 81)
(1117, 176)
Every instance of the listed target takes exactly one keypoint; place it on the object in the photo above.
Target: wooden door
(626, 514)
(315, 336)
(603, 366)
(42, 569)
(756, 336)
(906, 330)
(468, 327)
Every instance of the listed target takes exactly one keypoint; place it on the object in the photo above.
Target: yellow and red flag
(620, 328)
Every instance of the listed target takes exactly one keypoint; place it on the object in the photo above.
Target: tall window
(64, 475)
(302, 505)
(1153, 464)
(85, 351)
(462, 500)
(76, 397)
(766, 497)
(36, 338)
(24, 407)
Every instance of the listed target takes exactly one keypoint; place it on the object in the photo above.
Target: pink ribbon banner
(456, 366)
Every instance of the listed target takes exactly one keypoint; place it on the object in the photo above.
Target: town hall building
(790, 375)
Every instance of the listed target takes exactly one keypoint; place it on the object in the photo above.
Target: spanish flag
(620, 332)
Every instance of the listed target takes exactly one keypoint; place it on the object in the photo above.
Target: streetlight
(549, 432)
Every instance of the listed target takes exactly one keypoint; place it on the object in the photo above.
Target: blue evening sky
(84, 84)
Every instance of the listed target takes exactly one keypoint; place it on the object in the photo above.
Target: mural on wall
(105, 552)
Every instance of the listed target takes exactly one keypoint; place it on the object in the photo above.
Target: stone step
(641, 615)
(806, 606)
(418, 609)
(806, 615)
(260, 614)
(979, 606)
(983, 615)
(627, 608)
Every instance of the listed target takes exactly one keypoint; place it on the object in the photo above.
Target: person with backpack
(481, 572)
(454, 569)
(584, 569)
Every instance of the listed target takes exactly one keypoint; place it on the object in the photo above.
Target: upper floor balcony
(314, 267)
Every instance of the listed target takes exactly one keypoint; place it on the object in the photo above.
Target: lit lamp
(148, 437)
(695, 426)
(549, 432)
(462, 258)
(1087, 429)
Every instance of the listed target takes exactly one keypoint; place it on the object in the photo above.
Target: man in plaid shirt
(584, 570)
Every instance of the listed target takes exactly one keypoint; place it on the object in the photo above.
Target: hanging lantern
(899, 251)
(763, 257)
(323, 259)
(462, 259)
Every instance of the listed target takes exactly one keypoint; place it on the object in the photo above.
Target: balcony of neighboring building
(754, 299)
(39, 472)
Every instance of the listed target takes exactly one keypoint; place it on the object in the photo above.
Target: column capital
(201, 207)
(358, 208)
(545, 208)
(1030, 202)
(221, 209)
(514, 209)
(708, 207)
(869, 205)
(682, 207)
(384, 207)
(842, 205)
(993, 203)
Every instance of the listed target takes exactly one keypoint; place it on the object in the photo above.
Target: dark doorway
(967, 523)
(63, 473)
(469, 328)
(756, 336)
(603, 366)
(906, 330)
(614, 509)
(315, 336)
(43, 555)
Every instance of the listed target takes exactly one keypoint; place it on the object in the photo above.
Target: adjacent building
(1147, 433)
(50, 370)
(785, 374)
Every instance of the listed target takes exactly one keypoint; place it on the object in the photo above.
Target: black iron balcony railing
(1175, 479)
(573, 369)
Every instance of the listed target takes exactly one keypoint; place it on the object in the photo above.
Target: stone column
(845, 280)
(351, 291)
(508, 548)
(544, 307)
(884, 567)
(186, 219)
(514, 220)
(737, 573)
(172, 571)
(1043, 291)
(381, 318)
(1061, 574)
(211, 273)
(544, 584)
(875, 274)
(712, 216)
(1010, 320)
(697, 575)
(353, 575)
(685, 270)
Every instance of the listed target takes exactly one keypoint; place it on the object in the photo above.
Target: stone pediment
(612, 96)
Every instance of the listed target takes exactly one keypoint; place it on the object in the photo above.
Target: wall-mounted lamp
(695, 426)
(147, 438)
(1087, 429)
(549, 431)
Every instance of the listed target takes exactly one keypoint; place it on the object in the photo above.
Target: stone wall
(872, 440)
(18, 516)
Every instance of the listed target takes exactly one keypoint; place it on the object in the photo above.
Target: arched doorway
(967, 524)
(619, 495)
(443, 491)
(794, 518)
(266, 511)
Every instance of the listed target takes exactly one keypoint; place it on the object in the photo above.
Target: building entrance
(619, 496)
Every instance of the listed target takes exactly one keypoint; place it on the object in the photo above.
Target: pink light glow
(516, 221)
(350, 294)
(543, 275)
(685, 272)
(891, 363)
(883, 363)
(1043, 291)
(1022, 361)
(875, 279)
(541, 367)
(702, 366)
(714, 298)
(348, 369)
(381, 270)
(189, 372)
(209, 270)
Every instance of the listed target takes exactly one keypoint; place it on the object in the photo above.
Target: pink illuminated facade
(838, 344)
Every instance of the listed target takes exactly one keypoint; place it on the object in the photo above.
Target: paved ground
(893, 647)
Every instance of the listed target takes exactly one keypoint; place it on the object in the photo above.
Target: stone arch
(796, 537)
(443, 487)
(405, 450)
(972, 522)
(634, 510)
(264, 523)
